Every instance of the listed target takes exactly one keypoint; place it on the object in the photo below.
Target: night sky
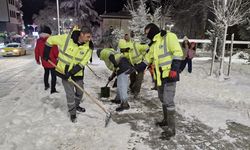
(31, 7)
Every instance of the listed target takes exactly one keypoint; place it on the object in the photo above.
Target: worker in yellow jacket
(165, 54)
(134, 52)
(121, 68)
(75, 51)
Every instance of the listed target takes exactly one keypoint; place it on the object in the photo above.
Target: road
(14, 70)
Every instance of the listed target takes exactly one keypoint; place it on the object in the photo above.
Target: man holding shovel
(121, 67)
(74, 54)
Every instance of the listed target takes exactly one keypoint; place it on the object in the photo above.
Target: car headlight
(15, 50)
(2, 50)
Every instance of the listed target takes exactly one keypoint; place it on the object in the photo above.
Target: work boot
(46, 88)
(116, 100)
(169, 130)
(73, 118)
(164, 120)
(80, 109)
(53, 91)
(123, 106)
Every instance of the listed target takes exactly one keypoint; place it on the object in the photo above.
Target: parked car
(2, 45)
(13, 49)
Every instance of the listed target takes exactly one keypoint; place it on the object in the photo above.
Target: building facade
(11, 16)
(118, 20)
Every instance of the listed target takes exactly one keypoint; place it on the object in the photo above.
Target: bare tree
(230, 13)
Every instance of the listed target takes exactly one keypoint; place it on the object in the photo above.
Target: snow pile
(241, 55)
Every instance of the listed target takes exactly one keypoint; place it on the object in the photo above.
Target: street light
(105, 11)
(33, 27)
(58, 20)
(170, 26)
(63, 20)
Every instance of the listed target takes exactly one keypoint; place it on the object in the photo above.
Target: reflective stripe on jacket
(136, 52)
(162, 52)
(70, 53)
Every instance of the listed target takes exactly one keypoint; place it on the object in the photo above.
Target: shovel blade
(107, 119)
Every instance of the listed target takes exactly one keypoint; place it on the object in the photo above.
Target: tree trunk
(213, 56)
(231, 53)
(221, 74)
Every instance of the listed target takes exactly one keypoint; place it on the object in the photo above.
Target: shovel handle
(80, 88)
(107, 83)
(93, 72)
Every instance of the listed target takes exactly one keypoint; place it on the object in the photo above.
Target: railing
(209, 41)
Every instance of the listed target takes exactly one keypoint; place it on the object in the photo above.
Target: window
(12, 14)
(12, 45)
(12, 2)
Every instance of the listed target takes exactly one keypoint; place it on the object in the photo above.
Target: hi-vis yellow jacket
(104, 55)
(162, 52)
(136, 52)
(70, 53)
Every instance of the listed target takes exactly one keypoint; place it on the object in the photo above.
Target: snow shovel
(108, 114)
(105, 91)
(93, 72)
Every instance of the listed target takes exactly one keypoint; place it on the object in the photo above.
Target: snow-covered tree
(217, 30)
(244, 29)
(84, 11)
(230, 13)
(141, 17)
(117, 34)
(112, 36)
(166, 8)
(46, 15)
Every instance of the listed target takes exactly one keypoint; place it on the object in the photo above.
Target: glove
(172, 74)
(67, 75)
(75, 69)
(112, 76)
(140, 67)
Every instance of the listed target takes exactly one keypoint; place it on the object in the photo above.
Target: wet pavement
(191, 133)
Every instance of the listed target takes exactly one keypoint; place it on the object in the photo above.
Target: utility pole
(58, 19)
(105, 11)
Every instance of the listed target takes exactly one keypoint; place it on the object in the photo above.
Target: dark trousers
(184, 63)
(135, 82)
(53, 78)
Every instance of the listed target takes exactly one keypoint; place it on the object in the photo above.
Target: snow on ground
(212, 101)
(31, 118)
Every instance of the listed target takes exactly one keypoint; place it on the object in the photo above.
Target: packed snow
(33, 119)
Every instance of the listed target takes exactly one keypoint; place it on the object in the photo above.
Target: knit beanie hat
(45, 29)
(153, 30)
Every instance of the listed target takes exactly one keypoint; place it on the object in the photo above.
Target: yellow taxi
(13, 49)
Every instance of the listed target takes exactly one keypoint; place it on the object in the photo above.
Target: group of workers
(163, 52)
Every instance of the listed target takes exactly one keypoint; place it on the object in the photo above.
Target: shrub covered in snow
(241, 55)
